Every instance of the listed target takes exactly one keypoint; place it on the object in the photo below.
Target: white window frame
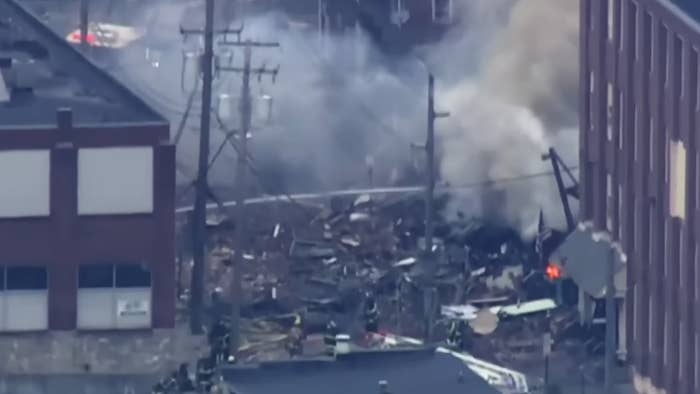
(5, 295)
(677, 157)
(26, 193)
(91, 198)
(115, 294)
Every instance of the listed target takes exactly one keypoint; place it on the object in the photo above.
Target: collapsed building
(317, 259)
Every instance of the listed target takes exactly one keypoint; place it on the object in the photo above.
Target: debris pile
(320, 262)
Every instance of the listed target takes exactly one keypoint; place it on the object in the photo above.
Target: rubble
(319, 263)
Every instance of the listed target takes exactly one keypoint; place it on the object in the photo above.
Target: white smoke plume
(507, 74)
(519, 102)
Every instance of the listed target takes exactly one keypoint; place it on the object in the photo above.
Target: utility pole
(200, 225)
(430, 293)
(84, 26)
(246, 112)
(199, 229)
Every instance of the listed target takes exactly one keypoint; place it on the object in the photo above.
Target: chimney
(64, 123)
(383, 387)
(64, 118)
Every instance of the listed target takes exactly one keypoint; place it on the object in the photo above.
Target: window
(26, 278)
(636, 308)
(684, 69)
(609, 220)
(25, 193)
(650, 52)
(611, 109)
(621, 126)
(114, 296)
(695, 69)
(115, 180)
(632, 28)
(96, 276)
(611, 18)
(677, 181)
(442, 11)
(697, 360)
(650, 144)
(132, 275)
(666, 334)
(399, 13)
(695, 162)
(23, 298)
(635, 131)
(124, 276)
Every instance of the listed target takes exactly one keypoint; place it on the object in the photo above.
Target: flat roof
(42, 72)
(409, 371)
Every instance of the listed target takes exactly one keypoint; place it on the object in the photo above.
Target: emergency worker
(371, 313)
(205, 374)
(455, 335)
(329, 337)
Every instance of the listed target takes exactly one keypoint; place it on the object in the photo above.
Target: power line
(199, 233)
(507, 180)
(401, 189)
(241, 172)
(216, 155)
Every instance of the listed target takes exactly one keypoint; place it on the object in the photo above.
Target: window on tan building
(677, 178)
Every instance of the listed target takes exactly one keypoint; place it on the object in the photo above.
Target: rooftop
(691, 7)
(406, 372)
(40, 72)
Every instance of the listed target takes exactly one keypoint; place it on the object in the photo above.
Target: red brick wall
(648, 111)
(64, 240)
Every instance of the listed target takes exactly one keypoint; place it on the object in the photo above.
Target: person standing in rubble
(459, 335)
(167, 385)
(295, 339)
(205, 374)
(184, 383)
(329, 338)
(219, 340)
(455, 335)
(371, 313)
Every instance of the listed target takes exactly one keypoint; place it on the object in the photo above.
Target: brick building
(87, 177)
(639, 115)
(395, 25)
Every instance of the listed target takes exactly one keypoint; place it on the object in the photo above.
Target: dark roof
(407, 372)
(59, 76)
(691, 7)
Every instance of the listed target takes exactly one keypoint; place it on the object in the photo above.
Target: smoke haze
(507, 74)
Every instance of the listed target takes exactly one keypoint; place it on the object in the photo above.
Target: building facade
(397, 26)
(87, 177)
(639, 115)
